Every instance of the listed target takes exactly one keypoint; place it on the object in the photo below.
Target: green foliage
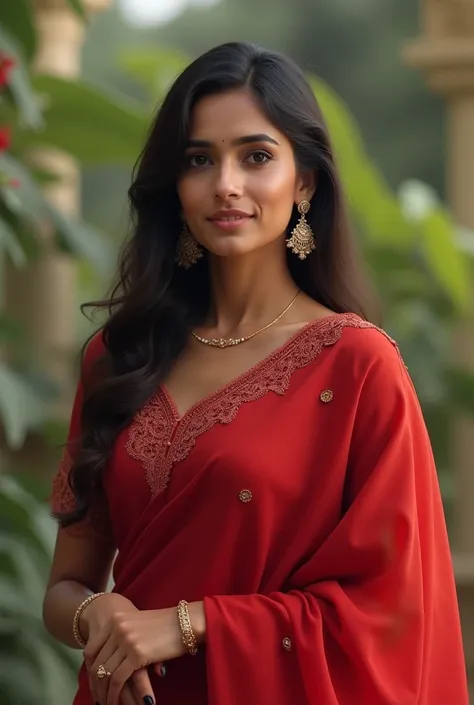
(17, 20)
(27, 104)
(34, 667)
(77, 7)
(91, 125)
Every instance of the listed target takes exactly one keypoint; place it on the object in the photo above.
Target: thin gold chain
(228, 342)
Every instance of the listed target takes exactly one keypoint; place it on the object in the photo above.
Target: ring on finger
(102, 673)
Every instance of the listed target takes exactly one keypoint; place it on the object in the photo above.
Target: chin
(232, 247)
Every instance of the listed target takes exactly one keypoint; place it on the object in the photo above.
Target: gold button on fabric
(326, 396)
(287, 643)
(245, 496)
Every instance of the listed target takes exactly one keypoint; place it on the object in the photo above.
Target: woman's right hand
(93, 620)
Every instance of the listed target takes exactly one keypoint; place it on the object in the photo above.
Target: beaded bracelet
(189, 639)
(77, 616)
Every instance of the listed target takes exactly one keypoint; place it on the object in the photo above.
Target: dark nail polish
(148, 700)
(162, 671)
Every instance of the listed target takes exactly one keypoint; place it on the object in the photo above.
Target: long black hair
(155, 303)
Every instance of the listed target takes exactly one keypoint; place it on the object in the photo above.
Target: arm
(84, 552)
(82, 564)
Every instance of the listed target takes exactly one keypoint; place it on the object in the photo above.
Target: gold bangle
(189, 639)
(77, 616)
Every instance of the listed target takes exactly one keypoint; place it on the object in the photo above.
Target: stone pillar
(445, 54)
(43, 296)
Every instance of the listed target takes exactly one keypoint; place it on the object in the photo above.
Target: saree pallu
(300, 502)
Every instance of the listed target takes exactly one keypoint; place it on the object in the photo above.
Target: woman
(245, 439)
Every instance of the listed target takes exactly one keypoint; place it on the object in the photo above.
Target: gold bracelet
(189, 639)
(77, 616)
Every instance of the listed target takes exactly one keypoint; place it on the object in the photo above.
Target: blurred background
(79, 81)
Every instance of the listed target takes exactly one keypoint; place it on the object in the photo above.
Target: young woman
(243, 440)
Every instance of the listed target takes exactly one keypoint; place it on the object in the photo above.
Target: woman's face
(240, 180)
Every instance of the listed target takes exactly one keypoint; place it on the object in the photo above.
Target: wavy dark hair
(155, 303)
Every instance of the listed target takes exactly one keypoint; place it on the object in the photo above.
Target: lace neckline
(159, 439)
(314, 325)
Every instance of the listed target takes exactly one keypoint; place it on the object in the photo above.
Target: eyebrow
(247, 139)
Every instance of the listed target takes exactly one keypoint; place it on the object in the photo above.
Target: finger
(105, 654)
(128, 697)
(117, 681)
(110, 666)
(94, 646)
(95, 695)
(142, 685)
(160, 669)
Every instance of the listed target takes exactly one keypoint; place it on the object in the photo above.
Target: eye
(259, 157)
(197, 160)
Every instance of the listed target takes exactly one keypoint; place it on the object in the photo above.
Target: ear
(305, 186)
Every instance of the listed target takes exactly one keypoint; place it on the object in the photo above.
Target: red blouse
(301, 503)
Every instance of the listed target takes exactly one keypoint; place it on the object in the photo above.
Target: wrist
(198, 620)
(80, 624)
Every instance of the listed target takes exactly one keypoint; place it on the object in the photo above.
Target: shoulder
(369, 343)
(363, 355)
(93, 351)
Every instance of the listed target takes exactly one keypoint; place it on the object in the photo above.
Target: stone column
(445, 54)
(43, 296)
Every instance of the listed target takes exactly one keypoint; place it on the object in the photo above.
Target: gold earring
(301, 242)
(188, 251)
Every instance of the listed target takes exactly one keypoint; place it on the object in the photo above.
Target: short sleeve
(62, 498)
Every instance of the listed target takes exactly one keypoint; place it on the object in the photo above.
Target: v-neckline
(243, 376)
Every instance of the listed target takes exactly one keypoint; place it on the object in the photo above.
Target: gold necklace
(228, 342)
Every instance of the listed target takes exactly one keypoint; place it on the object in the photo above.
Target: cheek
(191, 191)
(274, 186)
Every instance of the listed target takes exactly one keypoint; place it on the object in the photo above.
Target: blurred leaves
(11, 245)
(17, 20)
(21, 408)
(19, 83)
(93, 126)
(77, 7)
(154, 69)
(31, 208)
(34, 667)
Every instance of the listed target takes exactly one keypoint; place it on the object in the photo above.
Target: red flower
(5, 138)
(6, 65)
(14, 183)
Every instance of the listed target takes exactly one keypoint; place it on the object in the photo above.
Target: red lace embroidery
(158, 439)
(62, 496)
(148, 436)
(63, 500)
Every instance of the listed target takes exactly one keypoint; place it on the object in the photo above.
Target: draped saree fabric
(300, 502)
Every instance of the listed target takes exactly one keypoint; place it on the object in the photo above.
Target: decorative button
(287, 643)
(326, 396)
(169, 444)
(245, 496)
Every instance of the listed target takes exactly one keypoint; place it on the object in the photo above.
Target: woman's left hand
(130, 642)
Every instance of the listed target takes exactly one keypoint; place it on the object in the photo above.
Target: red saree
(301, 503)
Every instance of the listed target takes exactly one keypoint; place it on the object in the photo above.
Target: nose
(229, 182)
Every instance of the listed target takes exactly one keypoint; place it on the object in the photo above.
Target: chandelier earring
(188, 251)
(301, 242)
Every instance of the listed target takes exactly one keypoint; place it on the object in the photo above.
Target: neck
(248, 292)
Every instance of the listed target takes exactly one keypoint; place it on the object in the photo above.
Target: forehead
(227, 116)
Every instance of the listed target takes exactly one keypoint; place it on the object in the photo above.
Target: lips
(230, 218)
(230, 215)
